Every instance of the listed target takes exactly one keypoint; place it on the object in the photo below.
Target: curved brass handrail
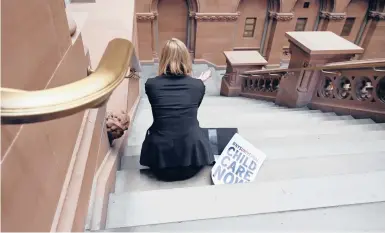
(20, 107)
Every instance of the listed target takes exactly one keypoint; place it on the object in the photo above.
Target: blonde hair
(175, 59)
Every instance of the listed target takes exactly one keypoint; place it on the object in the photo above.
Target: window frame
(349, 21)
(249, 33)
(304, 25)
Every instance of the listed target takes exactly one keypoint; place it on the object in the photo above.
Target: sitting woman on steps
(175, 147)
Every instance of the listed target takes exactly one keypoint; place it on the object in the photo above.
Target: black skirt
(168, 150)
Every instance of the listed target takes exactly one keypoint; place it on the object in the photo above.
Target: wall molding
(210, 17)
(281, 16)
(333, 16)
(377, 15)
(148, 16)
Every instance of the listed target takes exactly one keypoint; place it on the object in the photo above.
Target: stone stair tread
(181, 204)
(300, 148)
(265, 130)
(322, 140)
(250, 119)
(134, 177)
(351, 218)
(144, 120)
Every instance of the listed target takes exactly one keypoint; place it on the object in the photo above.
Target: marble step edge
(295, 151)
(238, 107)
(316, 120)
(136, 178)
(252, 118)
(259, 120)
(299, 151)
(346, 218)
(210, 202)
(137, 134)
(294, 141)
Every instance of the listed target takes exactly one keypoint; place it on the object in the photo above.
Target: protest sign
(239, 162)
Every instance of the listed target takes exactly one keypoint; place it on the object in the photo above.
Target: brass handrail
(331, 66)
(20, 107)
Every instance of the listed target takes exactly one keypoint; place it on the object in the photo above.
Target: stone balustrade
(320, 75)
(263, 86)
(354, 91)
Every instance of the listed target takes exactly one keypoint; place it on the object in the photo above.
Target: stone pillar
(376, 20)
(237, 63)
(278, 25)
(147, 25)
(311, 49)
(191, 34)
(331, 21)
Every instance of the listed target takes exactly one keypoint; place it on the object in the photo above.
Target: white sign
(239, 162)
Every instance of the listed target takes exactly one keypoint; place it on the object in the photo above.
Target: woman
(175, 147)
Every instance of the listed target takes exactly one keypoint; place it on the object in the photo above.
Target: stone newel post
(237, 63)
(310, 49)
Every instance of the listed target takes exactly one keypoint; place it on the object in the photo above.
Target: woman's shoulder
(198, 82)
(162, 79)
(154, 80)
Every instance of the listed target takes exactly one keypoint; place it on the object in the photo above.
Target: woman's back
(175, 142)
(174, 100)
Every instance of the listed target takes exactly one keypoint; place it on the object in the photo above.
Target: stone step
(144, 104)
(351, 218)
(263, 129)
(134, 177)
(206, 119)
(287, 121)
(295, 141)
(352, 127)
(273, 114)
(211, 202)
(221, 100)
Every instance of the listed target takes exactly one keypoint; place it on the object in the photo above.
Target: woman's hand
(205, 75)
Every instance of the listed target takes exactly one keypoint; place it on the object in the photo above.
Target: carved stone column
(311, 49)
(191, 34)
(147, 25)
(376, 19)
(279, 23)
(237, 63)
(332, 21)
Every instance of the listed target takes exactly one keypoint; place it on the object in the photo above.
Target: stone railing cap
(323, 42)
(245, 58)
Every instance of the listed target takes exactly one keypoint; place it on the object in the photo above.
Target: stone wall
(48, 168)
(217, 26)
(38, 52)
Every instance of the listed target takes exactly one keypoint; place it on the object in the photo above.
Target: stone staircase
(322, 172)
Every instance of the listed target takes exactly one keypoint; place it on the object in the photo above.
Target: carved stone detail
(281, 16)
(377, 15)
(146, 16)
(260, 84)
(191, 14)
(333, 16)
(215, 16)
